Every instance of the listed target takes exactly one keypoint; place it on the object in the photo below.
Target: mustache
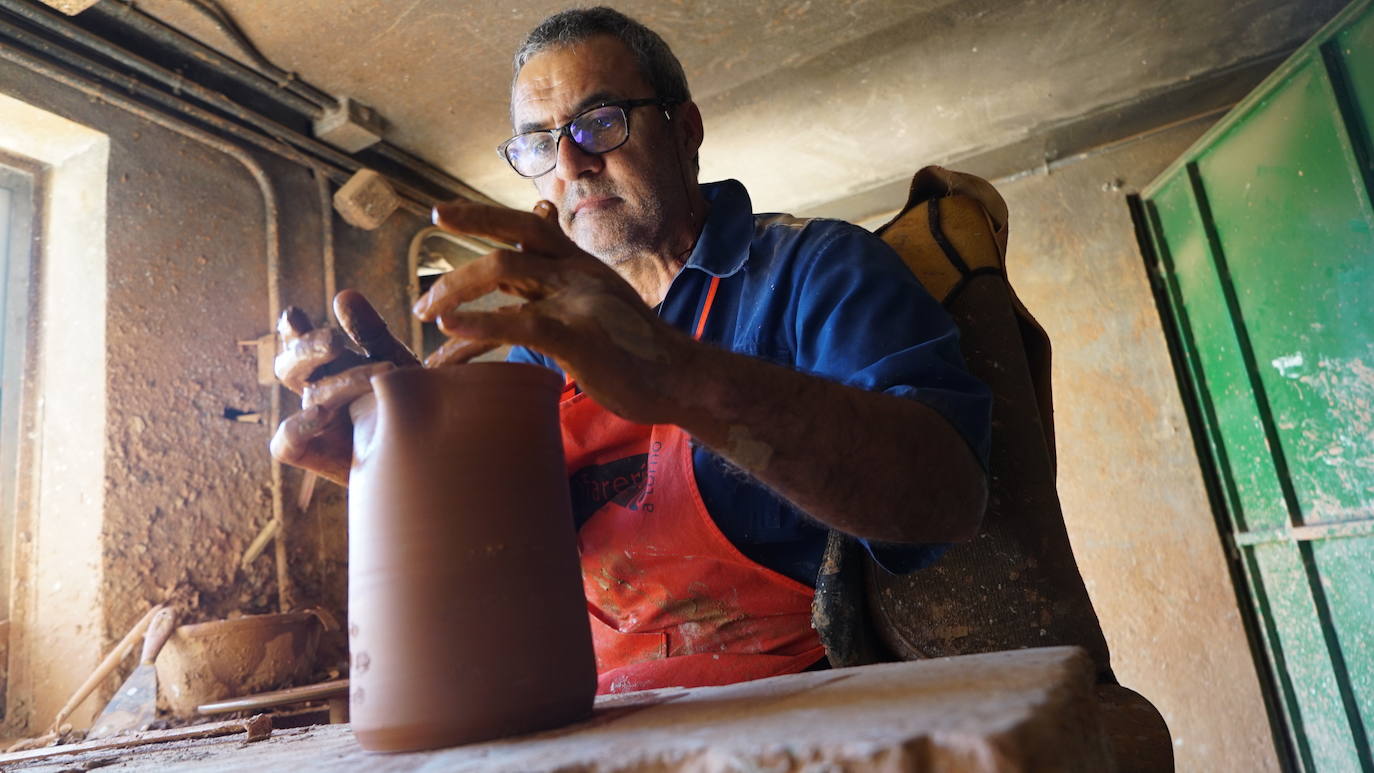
(586, 189)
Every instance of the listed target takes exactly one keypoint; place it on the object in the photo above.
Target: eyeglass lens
(598, 130)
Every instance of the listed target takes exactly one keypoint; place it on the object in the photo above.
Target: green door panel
(1295, 225)
(1347, 584)
(1353, 49)
(1238, 436)
(1316, 687)
(1262, 236)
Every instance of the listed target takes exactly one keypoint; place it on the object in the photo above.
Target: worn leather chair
(1016, 584)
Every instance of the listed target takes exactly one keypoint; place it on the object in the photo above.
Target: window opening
(16, 216)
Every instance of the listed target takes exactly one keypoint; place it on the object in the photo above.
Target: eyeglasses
(596, 130)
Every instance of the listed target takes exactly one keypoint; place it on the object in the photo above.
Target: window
(16, 219)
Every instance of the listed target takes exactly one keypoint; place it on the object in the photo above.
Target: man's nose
(574, 162)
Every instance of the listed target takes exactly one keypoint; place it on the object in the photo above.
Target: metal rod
(170, 37)
(309, 104)
(286, 80)
(326, 240)
(1307, 532)
(281, 140)
(178, 84)
(267, 700)
(432, 173)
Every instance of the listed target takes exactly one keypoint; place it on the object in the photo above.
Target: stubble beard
(638, 224)
(621, 235)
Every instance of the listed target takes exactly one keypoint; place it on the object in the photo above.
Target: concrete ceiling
(809, 102)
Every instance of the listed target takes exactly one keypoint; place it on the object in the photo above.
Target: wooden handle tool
(106, 666)
(134, 704)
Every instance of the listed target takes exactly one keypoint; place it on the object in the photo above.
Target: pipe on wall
(417, 336)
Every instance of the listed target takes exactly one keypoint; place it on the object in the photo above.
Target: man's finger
(527, 326)
(546, 210)
(293, 436)
(298, 442)
(519, 273)
(338, 391)
(457, 351)
(525, 230)
(367, 329)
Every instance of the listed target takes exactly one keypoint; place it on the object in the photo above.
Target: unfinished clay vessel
(210, 661)
(467, 619)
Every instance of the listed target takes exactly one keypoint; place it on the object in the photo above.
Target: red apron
(672, 602)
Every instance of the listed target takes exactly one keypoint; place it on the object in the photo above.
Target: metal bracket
(1363, 527)
(266, 348)
(350, 126)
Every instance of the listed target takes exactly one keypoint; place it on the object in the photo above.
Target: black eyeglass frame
(559, 132)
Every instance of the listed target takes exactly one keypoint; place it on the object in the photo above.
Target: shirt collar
(724, 243)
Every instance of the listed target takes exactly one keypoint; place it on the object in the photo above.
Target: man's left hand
(578, 311)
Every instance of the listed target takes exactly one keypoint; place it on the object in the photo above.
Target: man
(757, 379)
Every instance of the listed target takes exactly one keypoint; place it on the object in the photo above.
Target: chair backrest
(1016, 584)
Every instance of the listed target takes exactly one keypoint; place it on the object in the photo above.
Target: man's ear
(690, 126)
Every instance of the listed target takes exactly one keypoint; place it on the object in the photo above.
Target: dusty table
(1026, 710)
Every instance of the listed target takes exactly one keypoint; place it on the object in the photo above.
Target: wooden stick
(106, 666)
(307, 491)
(257, 728)
(259, 543)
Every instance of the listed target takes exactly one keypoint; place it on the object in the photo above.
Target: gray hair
(657, 64)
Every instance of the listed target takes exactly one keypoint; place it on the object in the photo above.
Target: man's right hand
(318, 365)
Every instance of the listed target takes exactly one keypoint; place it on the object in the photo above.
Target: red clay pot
(467, 620)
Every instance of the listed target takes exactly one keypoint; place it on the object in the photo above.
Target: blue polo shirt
(828, 298)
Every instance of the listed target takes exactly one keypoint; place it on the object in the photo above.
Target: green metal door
(1263, 241)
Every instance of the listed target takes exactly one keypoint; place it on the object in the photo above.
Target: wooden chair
(1016, 584)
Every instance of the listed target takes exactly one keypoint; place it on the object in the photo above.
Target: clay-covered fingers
(526, 230)
(457, 351)
(293, 322)
(339, 390)
(519, 273)
(303, 353)
(367, 329)
(318, 439)
(527, 325)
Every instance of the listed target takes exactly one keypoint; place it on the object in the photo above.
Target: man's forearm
(870, 464)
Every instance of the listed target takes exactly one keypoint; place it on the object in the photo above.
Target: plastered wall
(1134, 502)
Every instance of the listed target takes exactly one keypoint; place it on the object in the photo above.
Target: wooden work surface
(1029, 710)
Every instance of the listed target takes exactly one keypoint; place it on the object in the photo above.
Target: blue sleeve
(521, 354)
(862, 318)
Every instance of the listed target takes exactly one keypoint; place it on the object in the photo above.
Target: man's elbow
(954, 514)
(957, 515)
(965, 516)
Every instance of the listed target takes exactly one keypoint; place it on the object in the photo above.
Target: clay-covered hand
(319, 365)
(578, 311)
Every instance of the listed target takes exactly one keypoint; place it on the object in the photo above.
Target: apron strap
(706, 307)
(570, 387)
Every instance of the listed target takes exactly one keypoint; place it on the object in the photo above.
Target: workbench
(1027, 710)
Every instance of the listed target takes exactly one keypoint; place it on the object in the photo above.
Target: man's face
(618, 204)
